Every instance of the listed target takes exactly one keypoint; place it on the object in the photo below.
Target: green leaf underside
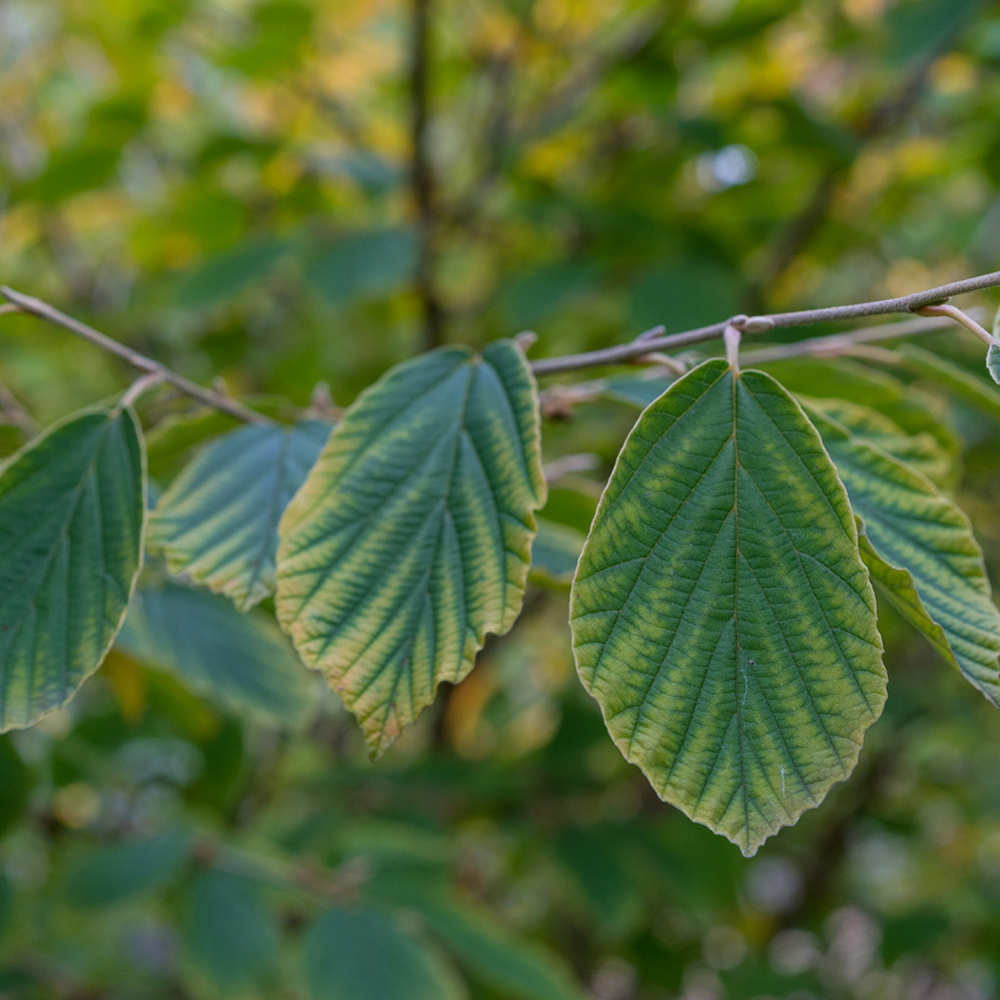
(217, 524)
(993, 362)
(71, 523)
(358, 954)
(920, 547)
(919, 451)
(411, 538)
(240, 660)
(721, 615)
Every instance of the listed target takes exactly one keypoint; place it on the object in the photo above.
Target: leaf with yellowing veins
(721, 614)
(411, 538)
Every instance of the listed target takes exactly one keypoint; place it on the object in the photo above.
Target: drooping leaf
(243, 661)
(230, 939)
(920, 547)
(217, 524)
(993, 362)
(920, 451)
(359, 954)
(515, 969)
(411, 538)
(126, 870)
(721, 615)
(72, 508)
(966, 386)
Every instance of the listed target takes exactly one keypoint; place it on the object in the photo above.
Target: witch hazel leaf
(72, 512)
(721, 614)
(919, 546)
(411, 538)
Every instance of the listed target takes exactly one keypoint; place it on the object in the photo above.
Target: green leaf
(124, 871)
(230, 939)
(411, 538)
(969, 388)
(920, 451)
(721, 615)
(243, 661)
(920, 547)
(218, 522)
(72, 507)
(514, 969)
(356, 954)
(993, 362)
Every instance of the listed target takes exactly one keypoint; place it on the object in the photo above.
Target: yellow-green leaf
(721, 614)
(72, 508)
(920, 547)
(411, 538)
(217, 524)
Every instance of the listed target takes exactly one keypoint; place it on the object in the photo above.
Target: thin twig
(623, 353)
(838, 343)
(42, 310)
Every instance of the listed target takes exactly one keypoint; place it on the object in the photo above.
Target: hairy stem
(42, 310)
(622, 353)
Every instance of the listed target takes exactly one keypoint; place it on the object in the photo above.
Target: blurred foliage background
(288, 192)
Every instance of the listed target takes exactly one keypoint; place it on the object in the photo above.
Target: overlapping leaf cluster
(722, 612)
